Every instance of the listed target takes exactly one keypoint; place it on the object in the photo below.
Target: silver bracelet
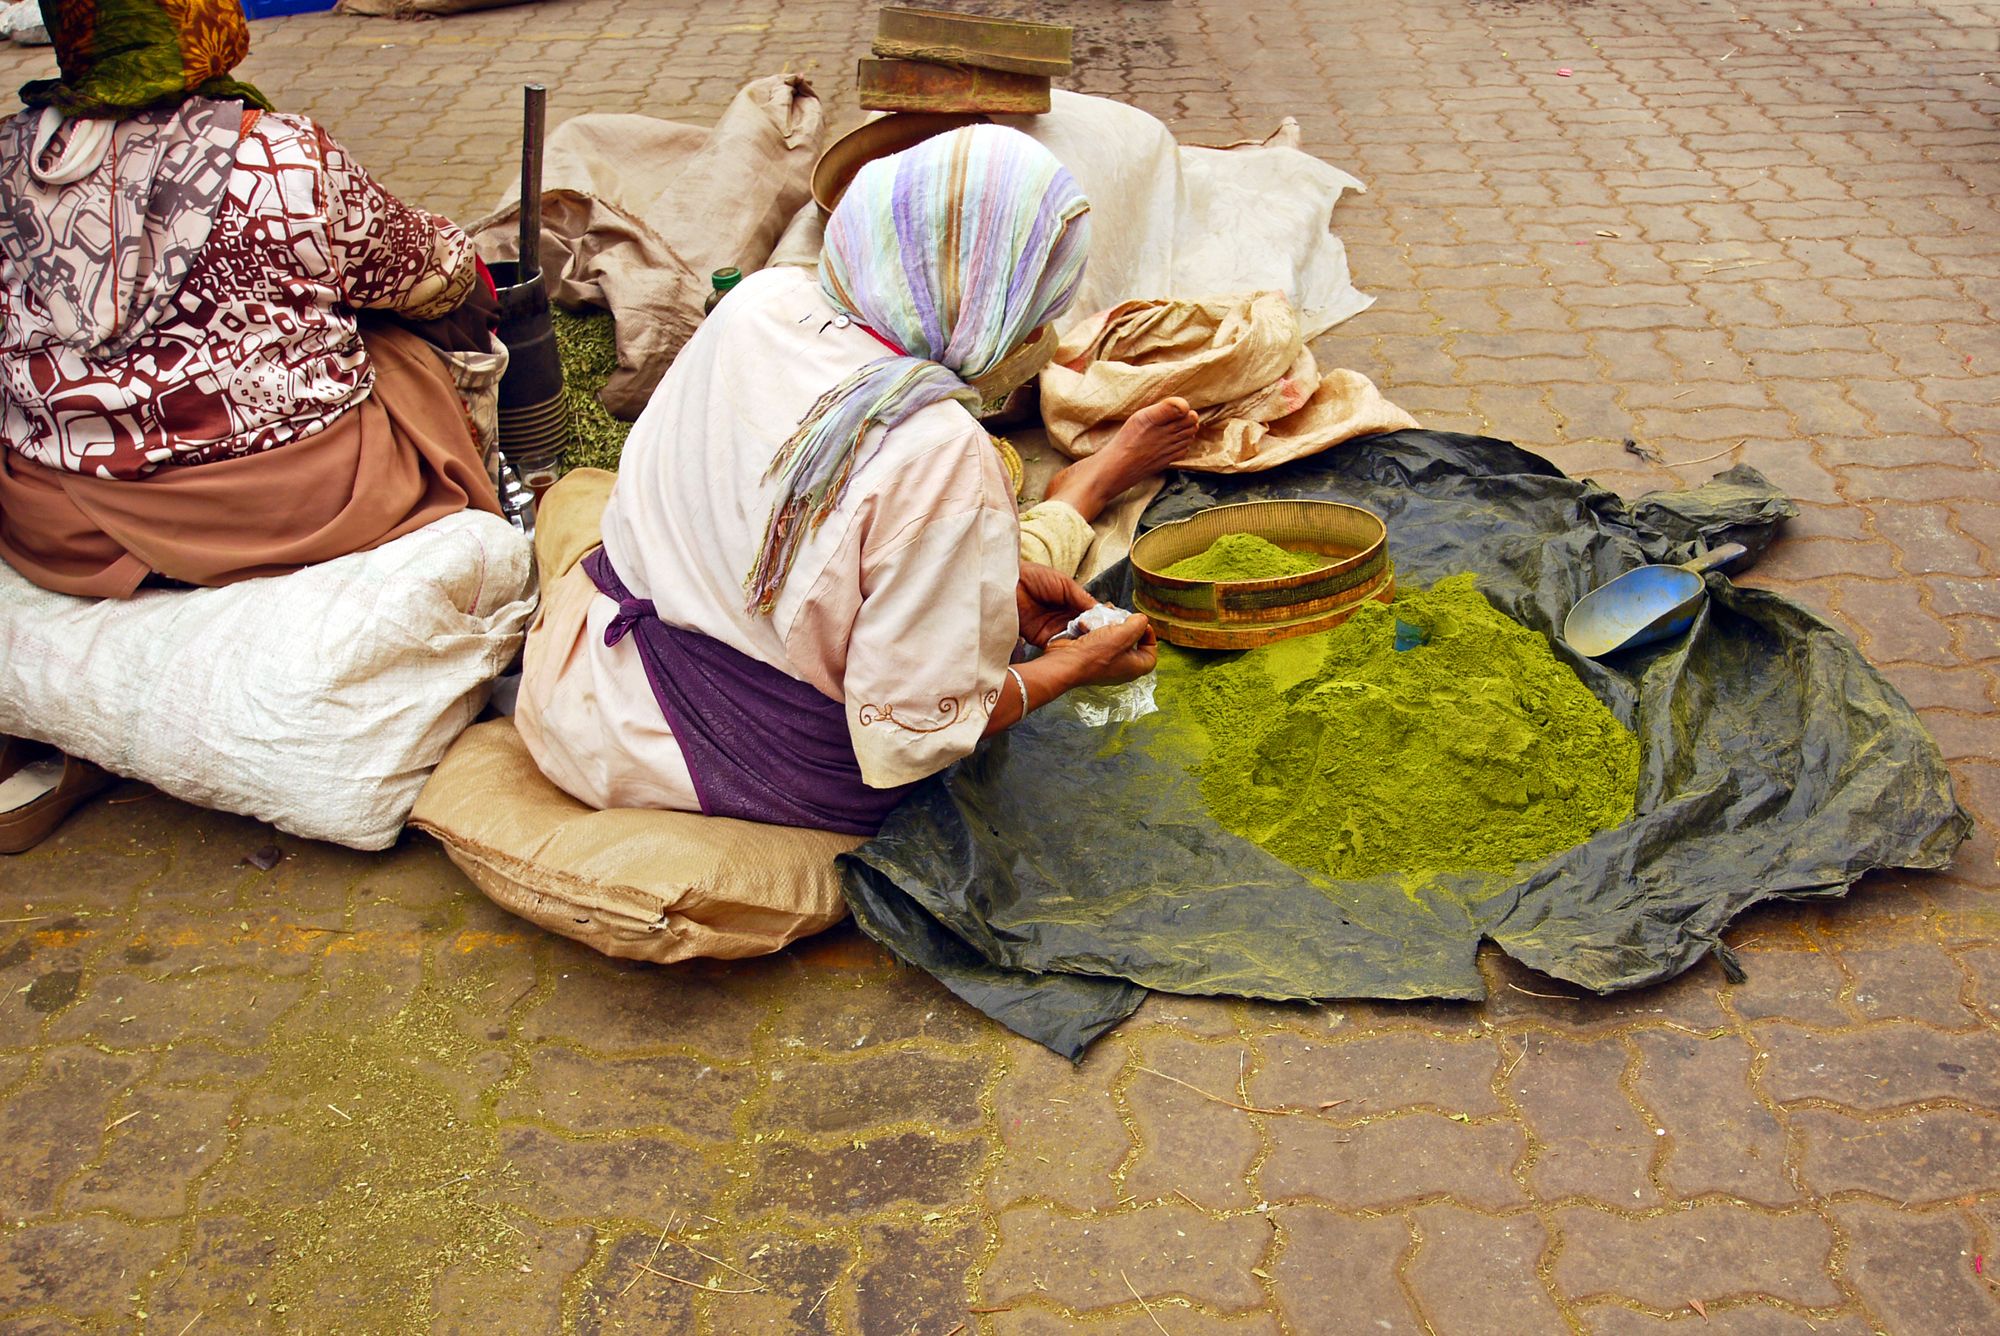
(1022, 683)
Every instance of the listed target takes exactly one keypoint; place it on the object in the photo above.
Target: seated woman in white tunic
(810, 594)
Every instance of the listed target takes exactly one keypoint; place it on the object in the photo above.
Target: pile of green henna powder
(1476, 751)
(1244, 556)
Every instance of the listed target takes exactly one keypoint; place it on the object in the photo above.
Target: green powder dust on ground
(372, 1166)
(589, 354)
(1244, 556)
(1477, 751)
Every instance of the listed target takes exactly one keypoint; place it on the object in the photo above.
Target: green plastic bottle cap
(725, 279)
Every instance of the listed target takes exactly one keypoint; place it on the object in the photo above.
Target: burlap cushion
(636, 883)
(644, 885)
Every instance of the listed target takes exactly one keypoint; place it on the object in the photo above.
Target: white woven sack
(1178, 222)
(317, 701)
(22, 24)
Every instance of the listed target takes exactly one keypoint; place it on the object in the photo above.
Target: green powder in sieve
(1244, 556)
(1477, 751)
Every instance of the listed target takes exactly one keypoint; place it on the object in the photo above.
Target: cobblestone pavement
(348, 1094)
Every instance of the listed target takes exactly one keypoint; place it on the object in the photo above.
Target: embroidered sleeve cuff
(901, 742)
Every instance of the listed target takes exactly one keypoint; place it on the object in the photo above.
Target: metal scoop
(1644, 605)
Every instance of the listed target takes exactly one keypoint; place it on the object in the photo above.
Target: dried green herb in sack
(1244, 556)
(586, 342)
(1475, 751)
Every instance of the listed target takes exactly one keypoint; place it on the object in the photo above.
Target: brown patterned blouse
(258, 347)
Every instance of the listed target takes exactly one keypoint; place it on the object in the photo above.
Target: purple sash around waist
(760, 745)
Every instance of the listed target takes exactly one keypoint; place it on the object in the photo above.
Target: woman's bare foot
(1150, 440)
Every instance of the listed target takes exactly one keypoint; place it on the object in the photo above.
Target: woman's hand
(1047, 601)
(1104, 657)
(1107, 656)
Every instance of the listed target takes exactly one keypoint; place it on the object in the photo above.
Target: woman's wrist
(1047, 677)
(1019, 683)
(1023, 687)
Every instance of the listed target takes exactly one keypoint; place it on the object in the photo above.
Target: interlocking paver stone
(801, 1278)
(1926, 541)
(620, 1297)
(1062, 1137)
(51, 1125)
(227, 1269)
(864, 1176)
(1475, 1272)
(1395, 1160)
(91, 1266)
(631, 1178)
(1754, 1319)
(1516, 993)
(124, 1012)
(1209, 1016)
(42, 973)
(1592, 1140)
(1720, 1137)
(1915, 1271)
(607, 1012)
(1913, 1158)
(1186, 1320)
(1797, 985)
(853, 1094)
(465, 1298)
(49, 1326)
(1703, 1252)
(1907, 982)
(1984, 963)
(163, 1140)
(1189, 1144)
(913, 1275)
(579, 1093)
(1882, 1066)
(1378, 1074)
(1334, 1269)
(844, 1014)
(1084, 1262)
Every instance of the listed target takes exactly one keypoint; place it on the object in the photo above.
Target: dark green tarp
(1052, 877)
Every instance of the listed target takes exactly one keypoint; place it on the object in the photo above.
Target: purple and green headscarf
(956, 251)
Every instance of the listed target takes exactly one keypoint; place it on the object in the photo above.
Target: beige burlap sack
(638, 212)
(1239, 361)
(640, 884)
(570, 521)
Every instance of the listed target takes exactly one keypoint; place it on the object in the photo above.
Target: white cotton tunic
(900, 606)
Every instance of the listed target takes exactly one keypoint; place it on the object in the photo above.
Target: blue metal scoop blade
(1642, 606)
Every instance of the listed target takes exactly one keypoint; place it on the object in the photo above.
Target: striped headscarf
(956, 251)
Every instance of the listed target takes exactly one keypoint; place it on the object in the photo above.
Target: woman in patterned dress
(188, 391)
